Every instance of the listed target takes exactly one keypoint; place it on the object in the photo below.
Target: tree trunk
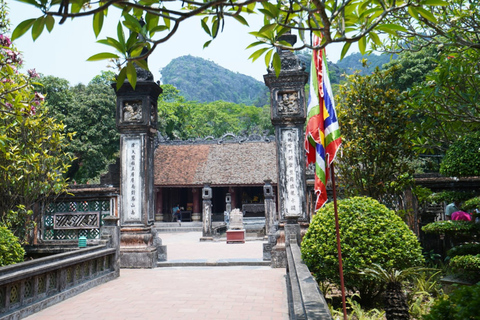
(396, 307)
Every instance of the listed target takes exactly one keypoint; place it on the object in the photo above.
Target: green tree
(33, 159)
(154, 22)
(88, 113)
(377, 146)
(463, 157)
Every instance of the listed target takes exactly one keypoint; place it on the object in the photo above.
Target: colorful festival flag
(322, 136)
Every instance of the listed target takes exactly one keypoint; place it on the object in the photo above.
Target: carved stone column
(136, 121)
(287, 97)
(228, 207)
(207, 214)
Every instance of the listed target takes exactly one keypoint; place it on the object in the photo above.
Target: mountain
(353, 62)
(205, 81)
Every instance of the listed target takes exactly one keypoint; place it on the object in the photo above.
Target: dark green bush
(10, 249)
(470, 248)
(471, 204)
(462, 304)
(463, 157)
(370, 233)
(466, 267)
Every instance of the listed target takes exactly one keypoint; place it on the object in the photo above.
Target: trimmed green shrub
(463, 157)
(10, 249)
(452, 227)
(462, 304)
(370, 233)
(466, 267)
(471, 204)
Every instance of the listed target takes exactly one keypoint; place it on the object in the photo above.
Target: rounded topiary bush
(370, 233)
(463, 157)
(10, 249)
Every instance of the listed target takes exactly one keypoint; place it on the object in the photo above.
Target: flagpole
(339, 248)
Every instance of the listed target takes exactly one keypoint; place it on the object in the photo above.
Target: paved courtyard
(237, 292)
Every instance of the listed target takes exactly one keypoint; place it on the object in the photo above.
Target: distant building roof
(219, 162)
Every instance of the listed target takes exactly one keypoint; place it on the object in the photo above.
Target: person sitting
(176, 216)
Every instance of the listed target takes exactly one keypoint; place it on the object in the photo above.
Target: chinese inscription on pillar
(132, 183)
(292, 205)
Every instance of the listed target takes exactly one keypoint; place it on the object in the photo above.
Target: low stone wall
(28, 287)
(306, 301)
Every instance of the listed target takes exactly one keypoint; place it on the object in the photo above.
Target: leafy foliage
(463, 157)
(376, 140)
(451, 227)
(88, 113)
(150, 23)
(204, 81)
(370, 234)
(467, 264)
(470, 248)
(10, 249)
(460, 305)
(33, 158)
(179, 119)
(471, 204)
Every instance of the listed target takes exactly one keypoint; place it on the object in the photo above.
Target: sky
(64, 51)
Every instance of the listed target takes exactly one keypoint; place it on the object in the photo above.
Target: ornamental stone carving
(132, 111)
(288, 103)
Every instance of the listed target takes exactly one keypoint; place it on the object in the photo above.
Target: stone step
(213, 263)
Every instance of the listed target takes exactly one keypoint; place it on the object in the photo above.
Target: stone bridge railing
(31, 286)
(306, 301)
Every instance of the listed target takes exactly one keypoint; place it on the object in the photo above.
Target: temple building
(239, 166)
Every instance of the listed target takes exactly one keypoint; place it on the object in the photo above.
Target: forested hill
(205, 81)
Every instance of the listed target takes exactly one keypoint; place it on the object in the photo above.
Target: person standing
(451, 208)
(176, 213)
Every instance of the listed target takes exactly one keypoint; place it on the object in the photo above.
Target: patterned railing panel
(69, 220)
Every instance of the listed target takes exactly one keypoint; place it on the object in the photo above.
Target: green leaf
(434, 3)
(113, 43)
(207, 43)
(215, 29)
(268, 56)
(345, 48)
(151, 21)
(362, 45)
(38, 27)
(121, 37)
(427, 15)
(413, 12)
(375, 38)
(255, 44)
(131, 74)
(121, 78)
(142, 64)
(132, 23)
(391, 28)
(97, 23)
(103, 56)
(277, 64)
(205, 26)
(158, 29)
(49, 22)
(166, 18)
(22, 28)
(241, 20)
(257, 54)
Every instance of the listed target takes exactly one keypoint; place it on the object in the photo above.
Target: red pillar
(197, 204)
(159, 204)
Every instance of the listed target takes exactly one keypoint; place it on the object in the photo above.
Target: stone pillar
(228, 207)
(159, 204)
(287, 96)
(271, 225)
(196, 215)
(137, 121)
(207, 214)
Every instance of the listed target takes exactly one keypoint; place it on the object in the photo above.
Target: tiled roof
(248, 163)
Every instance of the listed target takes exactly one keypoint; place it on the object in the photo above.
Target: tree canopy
(150, 23)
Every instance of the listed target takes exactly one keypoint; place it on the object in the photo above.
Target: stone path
(237, 292)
